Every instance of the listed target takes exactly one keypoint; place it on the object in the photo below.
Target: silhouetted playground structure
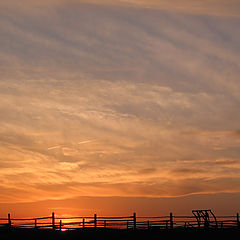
(201, 219)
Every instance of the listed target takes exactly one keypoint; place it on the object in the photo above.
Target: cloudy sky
(126, 99)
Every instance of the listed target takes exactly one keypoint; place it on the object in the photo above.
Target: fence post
(148, 224)
(9, 220)
(238, 223)
(53, 220)
(95, 220)
(35, 223)
(171, 221)
(83, 223)
(134, 221)
(60, 225)
(127, 224)
(166, 224)
(105, 223)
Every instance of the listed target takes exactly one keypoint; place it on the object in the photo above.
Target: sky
(119, 106)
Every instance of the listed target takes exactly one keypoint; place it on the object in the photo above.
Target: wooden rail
(123, 222)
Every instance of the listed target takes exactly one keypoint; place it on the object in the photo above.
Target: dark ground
(107, 234)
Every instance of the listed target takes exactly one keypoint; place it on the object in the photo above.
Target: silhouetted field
(108, 234)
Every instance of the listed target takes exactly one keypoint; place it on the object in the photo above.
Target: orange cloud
(99, 101)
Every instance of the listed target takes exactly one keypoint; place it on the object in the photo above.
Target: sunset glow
(119, 106)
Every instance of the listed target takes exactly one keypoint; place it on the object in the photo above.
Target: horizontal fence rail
(123, 222)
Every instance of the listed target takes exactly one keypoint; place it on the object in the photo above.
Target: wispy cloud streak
(98, 100)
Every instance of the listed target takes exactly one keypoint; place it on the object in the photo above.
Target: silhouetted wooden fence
(126, 222)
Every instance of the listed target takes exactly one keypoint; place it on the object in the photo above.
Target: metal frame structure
(205, 218)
